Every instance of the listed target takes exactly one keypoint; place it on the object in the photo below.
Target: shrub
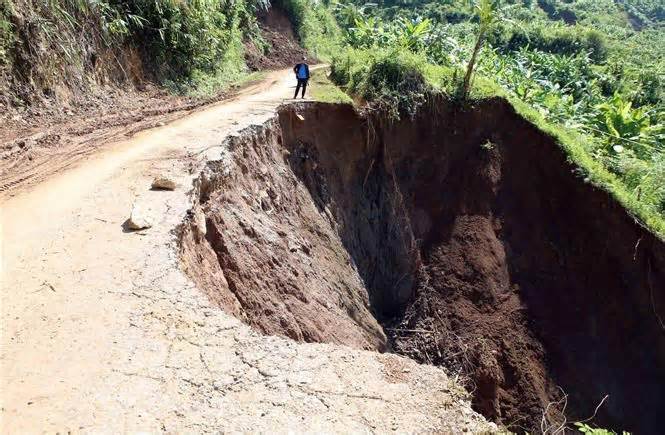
(6, 33)
(190, 44)
(559, 39)
(190, 41)
(391, 80)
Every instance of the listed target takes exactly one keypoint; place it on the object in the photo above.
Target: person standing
(302, 75)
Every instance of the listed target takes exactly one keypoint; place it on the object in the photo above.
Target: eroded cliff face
(465, 235)
(269, 252)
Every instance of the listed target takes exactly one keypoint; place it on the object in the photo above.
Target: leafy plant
(579, 76)
(413, 33)
(624, 124)
(587, 429)
(6, 33)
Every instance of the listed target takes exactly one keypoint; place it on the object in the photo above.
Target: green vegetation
(323, 90)
(192, 46)
(583, 71)
(486, 17)
(587, 429)
(589, 72)
(6, 33)
(315, 24)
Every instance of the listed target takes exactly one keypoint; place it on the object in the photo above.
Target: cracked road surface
(102, 332)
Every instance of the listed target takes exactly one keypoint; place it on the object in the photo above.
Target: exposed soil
(466, 233)
(267, 254)
(282, 48)
(40, 140)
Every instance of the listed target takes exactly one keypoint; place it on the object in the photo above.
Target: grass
(325, 91)
(193, 48)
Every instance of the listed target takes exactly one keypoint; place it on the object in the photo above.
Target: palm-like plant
(485, 10)
(366, 32)
(349, 13)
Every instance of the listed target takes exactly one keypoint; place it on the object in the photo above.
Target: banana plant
(366, 32)
(617, 119)
(348, 13)
(413, 33)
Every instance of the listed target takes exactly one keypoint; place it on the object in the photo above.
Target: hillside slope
(57, 107)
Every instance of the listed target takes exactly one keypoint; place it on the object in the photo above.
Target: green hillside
(590, 71)
(189, 46)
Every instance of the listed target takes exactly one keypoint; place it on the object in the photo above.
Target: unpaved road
(102, 332)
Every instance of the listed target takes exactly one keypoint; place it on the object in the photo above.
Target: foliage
(587, 429)
(618, 119)
(393, 79)
(194, 46)
(189, 43)
(190, 40)
(555, 38)
(486, 17)
(6, 33)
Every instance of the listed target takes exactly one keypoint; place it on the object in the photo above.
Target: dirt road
(102, 332)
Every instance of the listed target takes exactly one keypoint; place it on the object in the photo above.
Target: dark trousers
(303, 83)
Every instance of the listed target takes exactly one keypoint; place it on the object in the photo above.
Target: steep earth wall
(465, 233)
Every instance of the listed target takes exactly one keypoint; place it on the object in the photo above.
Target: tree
(486, 17)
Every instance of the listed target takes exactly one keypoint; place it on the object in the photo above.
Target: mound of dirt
(465, 233)
(281, 44)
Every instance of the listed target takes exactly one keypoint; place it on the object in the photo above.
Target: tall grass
(6, 34)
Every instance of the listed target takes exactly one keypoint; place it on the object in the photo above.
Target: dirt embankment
(266, 253)
(465, 233)
(280, 48)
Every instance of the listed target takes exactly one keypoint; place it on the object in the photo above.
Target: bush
(195, 43)
(6, 34)
(558, 39)
(391, 80)
(190, 42)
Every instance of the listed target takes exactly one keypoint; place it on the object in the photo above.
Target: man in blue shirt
(302, 74)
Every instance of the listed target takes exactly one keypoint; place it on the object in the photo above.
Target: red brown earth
(465, 232)
(271, 257)
(40, 140)
(282, 48)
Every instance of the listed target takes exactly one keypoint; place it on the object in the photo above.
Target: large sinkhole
(461, 238)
